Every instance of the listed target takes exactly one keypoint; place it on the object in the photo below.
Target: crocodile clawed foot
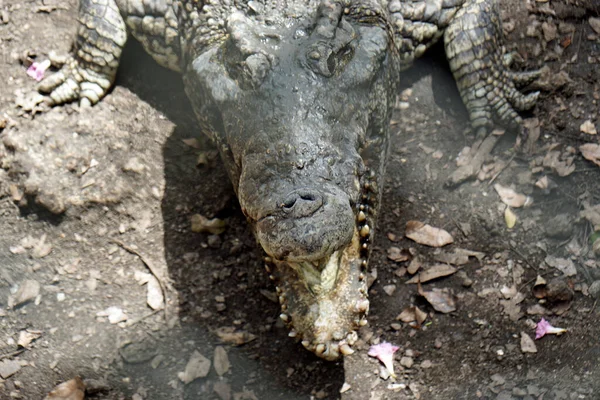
(74, 82)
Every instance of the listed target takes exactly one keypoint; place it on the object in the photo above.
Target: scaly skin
(298, 95)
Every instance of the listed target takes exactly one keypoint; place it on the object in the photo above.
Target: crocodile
(297, 95)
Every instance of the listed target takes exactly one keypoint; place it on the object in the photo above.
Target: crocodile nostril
(302, 203)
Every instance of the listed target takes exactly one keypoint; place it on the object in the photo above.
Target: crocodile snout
(309, 225)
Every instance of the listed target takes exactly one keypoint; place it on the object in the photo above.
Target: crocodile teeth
(292, 334)
(363, 322)
(306, 344)
(333, 349)
(363, 306)
(346, 350)
(320, 349)
(361, 216)
(364, 231)
(284, 317)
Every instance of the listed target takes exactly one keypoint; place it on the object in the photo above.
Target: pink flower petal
(384, 352)
(544, 328)
(37, 70)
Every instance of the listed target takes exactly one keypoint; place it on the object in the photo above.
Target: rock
(27, 292)
(389, 289)
(407, 362)
(527, 344)
(560, 226)
(594, 289)
(154, 294)
(198, 366)
(8, 368)
(114, 314)
(549, 30)
(223, 390)
(134, 165)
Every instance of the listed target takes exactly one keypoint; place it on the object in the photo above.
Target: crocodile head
(300, 111)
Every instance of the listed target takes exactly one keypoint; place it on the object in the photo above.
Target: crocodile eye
(339, 59)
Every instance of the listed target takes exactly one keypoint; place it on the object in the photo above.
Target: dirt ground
(96, 204)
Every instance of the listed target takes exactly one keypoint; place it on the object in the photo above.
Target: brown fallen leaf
(539, 288)
(214, 226)
(415, 265)
(512, 198)
(228, 335)
(28, 336)
(591, 152)
(441, 300)
(73, 389)
(458, 256)
(412, 314)
(398, 255)
(221, 361)
(563, 166)
(588, 128)
(198, 366)
(592, 214)
(510, 218)
(433, 272)
(595, 24)
(427, 235)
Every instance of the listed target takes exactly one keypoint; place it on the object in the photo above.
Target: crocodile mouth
(324, 302)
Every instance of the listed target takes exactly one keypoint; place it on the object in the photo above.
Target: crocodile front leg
(90, 72)
(473, 42)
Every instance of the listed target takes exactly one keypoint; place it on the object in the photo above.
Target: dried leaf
(434, 272)
(592, 214)
(539, 288)
(591, 152)
(595, 24)
(562, 167)
(73, 389)
(564, 265)
(228, 335)
(221, 361)
(512, 198)
(414, 265)
(441, 300)
(398, 255)
(28, 336)
(588, 128)
(458, 256)
(214, 226)
(510, 218)
(427, 235)
(198, 366)
(407, 315)
(542, 183)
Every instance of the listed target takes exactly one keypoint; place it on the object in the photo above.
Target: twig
(152, 270)
(13, 354)
(143, 317)
(502, 169)
(468, 171)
